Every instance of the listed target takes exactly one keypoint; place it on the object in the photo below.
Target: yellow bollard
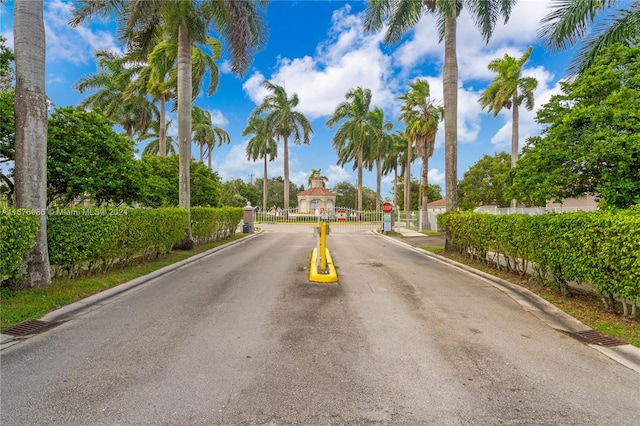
(321, 268)
(323, 247)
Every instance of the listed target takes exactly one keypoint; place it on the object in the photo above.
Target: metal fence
(341, 219)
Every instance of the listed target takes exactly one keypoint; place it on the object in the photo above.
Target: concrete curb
(627, 355)
(90, 303)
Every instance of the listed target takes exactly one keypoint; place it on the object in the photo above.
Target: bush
(600, 248)
(18, 228)
(213, 224)
(84, 240)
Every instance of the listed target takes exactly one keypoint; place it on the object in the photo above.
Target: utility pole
(251, 179)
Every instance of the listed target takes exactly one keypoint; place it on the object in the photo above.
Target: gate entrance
(341, 219)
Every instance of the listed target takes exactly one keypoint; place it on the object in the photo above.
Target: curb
(627, 355)
(97, 300)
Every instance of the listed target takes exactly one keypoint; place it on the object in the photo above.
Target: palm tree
(143, 23)
(395, 158)
(205, 134)
(509, 90)
(261, 145)
(153, 136)
(316, 172)
(398, 16)
(134, 112)
(421, 117)
(568, 24)
(31, 131)
(283, 121)
(381, 144)
(350, 141)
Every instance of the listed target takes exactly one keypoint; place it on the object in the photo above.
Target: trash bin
(246, 228)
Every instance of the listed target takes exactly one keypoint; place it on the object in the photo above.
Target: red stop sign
(387, 207)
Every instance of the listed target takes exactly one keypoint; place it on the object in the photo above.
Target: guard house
(316, 199)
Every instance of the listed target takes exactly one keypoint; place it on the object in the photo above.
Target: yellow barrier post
(321, 268)
(323, 248)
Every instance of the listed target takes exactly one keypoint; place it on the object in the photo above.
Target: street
(241, 337)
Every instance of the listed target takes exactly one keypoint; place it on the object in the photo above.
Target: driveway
(241, 337)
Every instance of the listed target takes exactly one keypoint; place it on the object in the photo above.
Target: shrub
(18, 228)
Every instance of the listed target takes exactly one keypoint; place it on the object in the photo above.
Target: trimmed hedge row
(87, 240)
(18, 230)
(209, 224)
(601, 248)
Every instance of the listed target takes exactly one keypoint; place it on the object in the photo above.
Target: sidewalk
(408, 232)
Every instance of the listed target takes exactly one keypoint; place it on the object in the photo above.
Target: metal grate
(30, 327)
(595, 337)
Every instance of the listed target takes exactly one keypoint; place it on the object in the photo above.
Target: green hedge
(601, 248)
(18, 229)
(82, 240)
(86, 240)
(214, 224)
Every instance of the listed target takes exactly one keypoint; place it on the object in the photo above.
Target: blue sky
(318, 50)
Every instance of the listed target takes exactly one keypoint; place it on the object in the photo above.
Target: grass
(22, 305)
(584, 306)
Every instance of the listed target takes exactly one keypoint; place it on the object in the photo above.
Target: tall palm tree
(421, 117)
(509, 90)
(284, 121)
(159, 77)
(134, 112)
(381, 143)
(143, 23)
(31, 131)
(394, 159)
(261, 145)
(205, 134)
(568, 25)
(398, 16)
(350, 140)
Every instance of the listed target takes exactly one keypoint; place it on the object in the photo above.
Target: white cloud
(336, 174)
(74, 45)
(348, 58)
(218, 118)
(435, 177)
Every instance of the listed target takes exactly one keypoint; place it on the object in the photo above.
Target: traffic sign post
(387, 218)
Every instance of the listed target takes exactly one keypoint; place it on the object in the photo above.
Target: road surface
(242, 338)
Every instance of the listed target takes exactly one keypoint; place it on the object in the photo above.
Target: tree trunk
(162, 137)
(31, 133)
(184, 129)
(407, 187)
(359, 183)
(450, 89)
(424, 180)
(378, 182)
(286, 176)
(514, 140)
(264, 185)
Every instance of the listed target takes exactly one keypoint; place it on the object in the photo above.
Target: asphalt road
(242, 338)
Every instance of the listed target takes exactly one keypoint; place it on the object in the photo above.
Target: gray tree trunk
(407, 187)
(31, 133)
(184, 129)
(514, 140)
(286, 176)
(450, 89)
(424, 180)
(162, 137)
(360, 182)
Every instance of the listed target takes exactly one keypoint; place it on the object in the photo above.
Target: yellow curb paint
(315, 276)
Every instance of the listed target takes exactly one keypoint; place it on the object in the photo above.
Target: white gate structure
(341, 219)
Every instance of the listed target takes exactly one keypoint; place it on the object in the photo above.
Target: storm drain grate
(595, 337)
(30, 327)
